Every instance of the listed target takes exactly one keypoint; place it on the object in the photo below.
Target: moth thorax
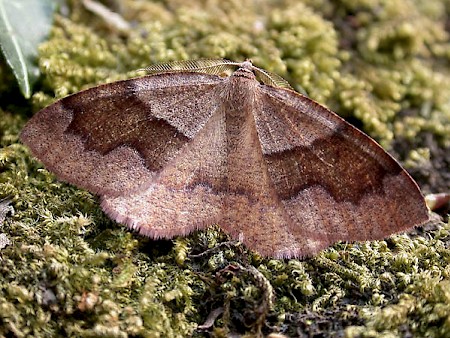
(240, 91)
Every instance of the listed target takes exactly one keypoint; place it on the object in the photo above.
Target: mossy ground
(70, 271)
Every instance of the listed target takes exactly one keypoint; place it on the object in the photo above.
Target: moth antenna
(271, 79)
(215, 67)
(208, 66)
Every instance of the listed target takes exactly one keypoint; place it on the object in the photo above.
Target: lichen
(69, 270)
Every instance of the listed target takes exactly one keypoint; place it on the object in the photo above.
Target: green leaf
(24, 24)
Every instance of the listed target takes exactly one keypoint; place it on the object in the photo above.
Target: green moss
(423, 309)
(69, 270)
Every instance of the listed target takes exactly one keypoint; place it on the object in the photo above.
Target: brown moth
(177, 151)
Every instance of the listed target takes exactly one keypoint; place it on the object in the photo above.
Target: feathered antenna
(216, 67)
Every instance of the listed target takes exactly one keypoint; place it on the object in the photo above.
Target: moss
(423, 310)
(69, 270)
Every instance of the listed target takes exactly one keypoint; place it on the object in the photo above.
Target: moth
(184, 148)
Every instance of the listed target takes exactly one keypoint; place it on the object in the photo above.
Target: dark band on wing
(334, 164)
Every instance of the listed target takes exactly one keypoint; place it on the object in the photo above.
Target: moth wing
(116, 138)
(333, 181)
